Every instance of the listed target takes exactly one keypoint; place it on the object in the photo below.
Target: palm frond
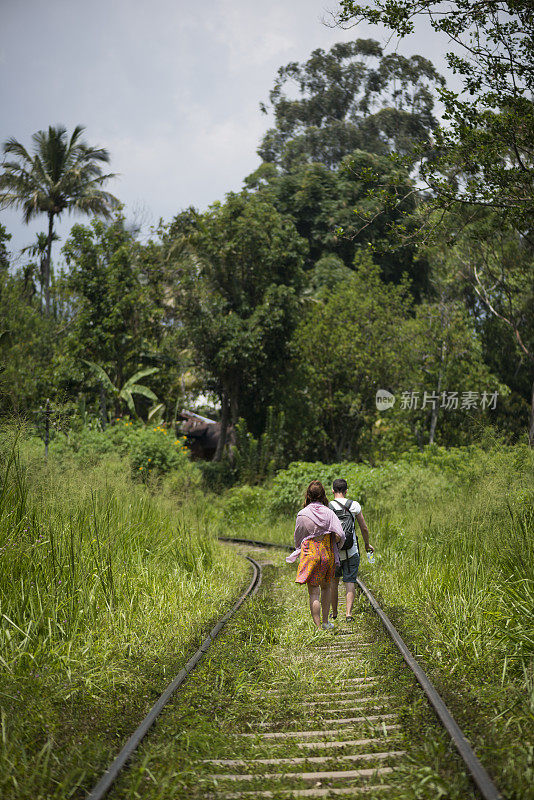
(96, 154)
(76, 133)
(9, 199)
(14, 147)
(155, 411)
(101, 375)
(38, 247)
(142, 390)
(42, 138)
(40, 173)
(75, 150)
(101, 205)
(143, 373)
(127, 397)
(98, 179)
(14, 176)
(37, 203)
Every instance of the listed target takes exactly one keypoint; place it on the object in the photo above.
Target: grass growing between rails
(104, 589)
(454, 533)
(262, 672)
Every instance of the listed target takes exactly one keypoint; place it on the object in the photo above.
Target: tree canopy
(341, 211)
(483, 154)
(237, 271)
(352, 97)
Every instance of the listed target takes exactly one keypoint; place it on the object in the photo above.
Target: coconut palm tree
(62, 175)
(38, 249)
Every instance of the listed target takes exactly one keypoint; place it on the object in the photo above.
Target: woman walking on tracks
(317, 534)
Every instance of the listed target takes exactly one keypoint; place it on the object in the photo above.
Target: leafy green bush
(217, 475)
(244, 505)
(90, 443)
(155, 452)
(407, 479)
(289, 486)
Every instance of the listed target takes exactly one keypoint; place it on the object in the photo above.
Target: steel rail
(113, 771)
(253, 542)
(482, 780)
(478, 773)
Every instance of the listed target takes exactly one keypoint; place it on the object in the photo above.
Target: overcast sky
(171, 87)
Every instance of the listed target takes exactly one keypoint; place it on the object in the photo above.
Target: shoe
(327, 626)
(350, 618)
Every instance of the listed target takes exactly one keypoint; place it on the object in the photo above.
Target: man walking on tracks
(349, 554)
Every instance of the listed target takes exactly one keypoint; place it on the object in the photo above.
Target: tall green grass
(455, 568)
(454, 538)
(464, 552)
(454, 533)
(103, 590)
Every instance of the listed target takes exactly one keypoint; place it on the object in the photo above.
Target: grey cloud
(172, 89)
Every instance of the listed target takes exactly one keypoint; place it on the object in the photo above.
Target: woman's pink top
(313, 522)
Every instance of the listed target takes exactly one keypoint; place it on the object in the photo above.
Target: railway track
(332, 740)
(326, 721)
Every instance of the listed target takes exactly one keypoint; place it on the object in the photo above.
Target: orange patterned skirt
(316, 563)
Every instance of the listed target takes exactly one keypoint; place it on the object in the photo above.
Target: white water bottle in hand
(370, 556)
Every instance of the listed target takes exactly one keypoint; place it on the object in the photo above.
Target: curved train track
(329, 738)
(116, 767)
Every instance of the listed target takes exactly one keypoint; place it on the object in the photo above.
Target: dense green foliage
(324, 203)
(4, 255)
(351, 98)
(479, 167)
(151, 451)
(27, 345)
(484, 154)
(257, 459)
(112, 320)
(414, 478)
(350, 346)
(238, 269)
(328, 278)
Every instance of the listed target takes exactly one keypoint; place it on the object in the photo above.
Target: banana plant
(156, 413)
(128, 389)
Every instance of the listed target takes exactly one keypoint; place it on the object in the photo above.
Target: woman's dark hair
(315, 493)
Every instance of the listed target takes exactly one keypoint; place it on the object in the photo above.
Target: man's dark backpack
(344, 514)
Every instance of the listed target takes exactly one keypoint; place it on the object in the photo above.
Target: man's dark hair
(340, 485)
